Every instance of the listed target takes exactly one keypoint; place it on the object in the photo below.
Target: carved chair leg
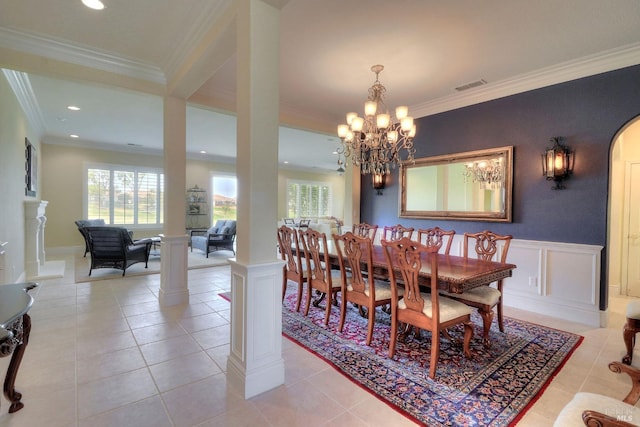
(299, 296)
(629, 336)
(285, 281)
(468, 334)
(487, 318)
(500, 318)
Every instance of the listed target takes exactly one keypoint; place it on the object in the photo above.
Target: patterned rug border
(509, 416)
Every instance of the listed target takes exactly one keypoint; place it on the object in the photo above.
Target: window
(308, 199)
(124, 195)
(225, 197)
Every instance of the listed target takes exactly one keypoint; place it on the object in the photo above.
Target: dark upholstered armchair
(82, 223)
(219, 237)
(112, 247)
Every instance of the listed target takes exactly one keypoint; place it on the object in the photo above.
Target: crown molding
(195, 33)
(52, 48)
(21, 86)
(610, 60)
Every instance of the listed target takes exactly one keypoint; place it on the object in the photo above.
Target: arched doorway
(624, 213)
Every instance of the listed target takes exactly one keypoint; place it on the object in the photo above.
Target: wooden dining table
(456, 274)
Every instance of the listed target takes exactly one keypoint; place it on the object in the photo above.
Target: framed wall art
(31, 169)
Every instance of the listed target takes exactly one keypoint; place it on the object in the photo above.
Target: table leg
(10, 392)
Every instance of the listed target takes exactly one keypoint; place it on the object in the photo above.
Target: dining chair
(485, 245)
(365, 230)
(304, 223)
(428, 235)
(355, 257)
(293, 269)
(428, 311)
(289, 222)
(396, 232)
(320, 276)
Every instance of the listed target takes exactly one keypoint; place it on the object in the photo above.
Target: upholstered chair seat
(449, 309)
(591, 409)
(485, 295)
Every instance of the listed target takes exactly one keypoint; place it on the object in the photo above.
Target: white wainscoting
(555, 279)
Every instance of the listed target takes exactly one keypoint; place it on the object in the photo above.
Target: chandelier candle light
(374, 142)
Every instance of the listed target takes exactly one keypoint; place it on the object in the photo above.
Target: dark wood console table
(15, 326)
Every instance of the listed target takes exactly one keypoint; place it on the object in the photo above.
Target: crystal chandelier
(489, 173)
(374, 142)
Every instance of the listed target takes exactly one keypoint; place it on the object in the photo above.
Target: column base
(255, 362)
(173, 271)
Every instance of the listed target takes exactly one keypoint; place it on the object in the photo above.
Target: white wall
(13, 130)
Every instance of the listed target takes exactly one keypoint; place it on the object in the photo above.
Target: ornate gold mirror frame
(473, 186)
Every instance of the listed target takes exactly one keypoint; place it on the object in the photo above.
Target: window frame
(297, 210)
(136, 170)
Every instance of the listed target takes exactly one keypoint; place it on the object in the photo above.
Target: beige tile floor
(105, 354)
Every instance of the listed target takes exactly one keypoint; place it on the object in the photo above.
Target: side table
(15, 327)
(156, 242)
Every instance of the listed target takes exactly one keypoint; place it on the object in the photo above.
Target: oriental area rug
(493, 388)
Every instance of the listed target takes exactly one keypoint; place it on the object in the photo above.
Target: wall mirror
(474, 186)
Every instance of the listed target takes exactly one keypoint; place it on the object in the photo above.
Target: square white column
(255, 362)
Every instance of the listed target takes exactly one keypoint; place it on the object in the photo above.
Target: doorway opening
(624, 213)
(224, 197)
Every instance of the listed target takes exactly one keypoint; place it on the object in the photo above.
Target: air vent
(471, 85)
(131, 144)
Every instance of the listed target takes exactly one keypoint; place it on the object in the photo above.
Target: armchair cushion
(571, 414)
(590, 409)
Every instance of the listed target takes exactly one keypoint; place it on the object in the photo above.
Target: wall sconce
(557, 163)
(378, 182)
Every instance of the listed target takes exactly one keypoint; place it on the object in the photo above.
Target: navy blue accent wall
(587, 112)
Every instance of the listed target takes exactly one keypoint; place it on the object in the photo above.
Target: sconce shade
(377, 179)
(557, 163)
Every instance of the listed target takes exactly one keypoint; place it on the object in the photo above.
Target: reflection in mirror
(475, 185)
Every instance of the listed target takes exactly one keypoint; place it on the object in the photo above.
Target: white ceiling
(428, 48)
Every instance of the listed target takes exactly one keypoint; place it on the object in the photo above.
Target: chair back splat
(395, 232)
(429, 236)
(365, 230)
(485, 245)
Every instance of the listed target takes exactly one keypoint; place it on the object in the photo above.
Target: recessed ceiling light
(73, 108)
(285, 162)
(74, 136)
(335, 152)
(203, 152)
(93, 4)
